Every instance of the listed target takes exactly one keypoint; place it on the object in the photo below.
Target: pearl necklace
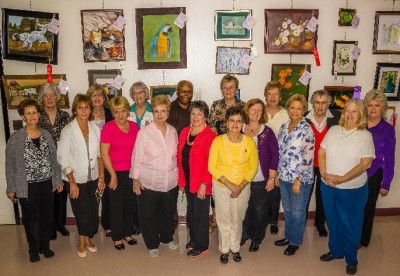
(345, 135)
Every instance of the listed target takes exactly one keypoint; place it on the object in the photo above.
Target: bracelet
(272, 178)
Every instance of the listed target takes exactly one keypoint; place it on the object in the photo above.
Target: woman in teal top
(140, 112)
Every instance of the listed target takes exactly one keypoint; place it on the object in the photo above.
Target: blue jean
(295, 209)
(344, 210)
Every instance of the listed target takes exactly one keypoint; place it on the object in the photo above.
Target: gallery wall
(201, 50)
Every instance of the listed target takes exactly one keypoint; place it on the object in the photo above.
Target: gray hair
(321, 93)
(141, 85)
(50, 86)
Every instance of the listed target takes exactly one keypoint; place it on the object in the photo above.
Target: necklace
(193, 135)
(344, 135)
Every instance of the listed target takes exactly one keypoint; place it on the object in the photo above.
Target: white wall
(201, 49)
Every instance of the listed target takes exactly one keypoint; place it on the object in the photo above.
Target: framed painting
(102, 41)
(168, 90)
(340, 95)
(286, 31)
(105, 79)
(160, 43)
(346, 17)
(342, 62)
(228, 60)
(26, 37)
(387, 79)
(288, 76)
(386, 33)
(390, 112)
(21, 87)
(229, 25)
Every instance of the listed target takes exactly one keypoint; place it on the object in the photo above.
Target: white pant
(230, 213)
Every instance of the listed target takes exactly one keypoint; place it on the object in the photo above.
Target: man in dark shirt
(179, 116)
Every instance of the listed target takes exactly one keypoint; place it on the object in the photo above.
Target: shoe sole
(202, 253)
(82, 254)
(91, 249)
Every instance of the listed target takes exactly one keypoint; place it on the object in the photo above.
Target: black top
(178, 117)
(185, 159)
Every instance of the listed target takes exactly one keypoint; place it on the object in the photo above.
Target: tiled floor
(381, 258)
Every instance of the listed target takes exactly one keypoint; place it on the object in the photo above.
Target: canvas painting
(342, 62)
(340, 95)
(228, 60)
(229, 25)
(387, 79)
(346, 16)
(386, 33)
(168, 90)
(105, 79)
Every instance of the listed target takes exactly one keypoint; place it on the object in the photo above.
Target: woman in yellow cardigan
(233, 162)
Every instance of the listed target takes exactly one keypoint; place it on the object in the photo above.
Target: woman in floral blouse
(296, 153)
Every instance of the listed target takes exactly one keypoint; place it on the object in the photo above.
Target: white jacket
(72, 152)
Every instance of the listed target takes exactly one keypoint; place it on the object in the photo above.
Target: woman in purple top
(258, 211)
(381, 172)
(117, 141)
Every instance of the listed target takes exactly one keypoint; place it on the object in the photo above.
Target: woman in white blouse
(83, 173)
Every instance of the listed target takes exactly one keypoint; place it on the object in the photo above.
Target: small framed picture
(229, 25)
(346, 17)
(386, 32)
(387, 79)
(228, 60)
(105, 78)
(340, 95)
(168, 90)
(342, 62)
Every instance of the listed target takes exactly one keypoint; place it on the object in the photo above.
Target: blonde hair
(361, 122)
(160, 99)
(97, 88)
(252, 102)
(297, 98)
(119, 102)
(376, 94)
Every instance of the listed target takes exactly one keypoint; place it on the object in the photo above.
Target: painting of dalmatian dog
(27, 38)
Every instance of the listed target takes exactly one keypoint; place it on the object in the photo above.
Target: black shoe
(224, 258)
(48, 253)
(108, 233)
(119, 246)
(236, 257)
(137, 231)
(131, 242)
(34, 257)
(53, 236)
(291, 250)
(282, 242)
(254, 247)
(243, 241)
(189, 245)
(327, 257)
(273, 228)
(64, 231)
(322, 231)
(196, 253)
(351, 270)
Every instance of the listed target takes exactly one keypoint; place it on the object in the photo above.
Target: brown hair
(81, 99)
(252, 102)
(271, 85)
(228, 78)
(27, 103)
(97, 88)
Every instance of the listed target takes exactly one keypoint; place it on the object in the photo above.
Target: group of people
(240, 159)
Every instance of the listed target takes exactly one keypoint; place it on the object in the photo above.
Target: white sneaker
(154, 253)
(172, 245)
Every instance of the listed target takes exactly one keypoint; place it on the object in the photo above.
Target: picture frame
(168, 90)
(390, 111)
(387, 79)
(228, 25)
(340, 95)
(288, 76)
(345, 17)
(102, 41)
(228, 60)
(384, 32)
(26, 37)
(171, 53)
(105, 79)
(20, 87)
(342, 61)
(286, 31)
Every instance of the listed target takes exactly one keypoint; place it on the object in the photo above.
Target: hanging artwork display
(289, 31)
(386, 33)
(342, 62)
(228, 60)
(102, 40)
(21, 87)
(340, 96)
(387, 79)
(26, 37)
(288, 75)
(346, 17)
(105, 78)
(168, 90)
(160, 43)
(229, 25)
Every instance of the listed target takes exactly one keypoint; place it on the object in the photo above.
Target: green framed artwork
(288, 76)
(229, 25)
(387, 79)
(160, 43)
(168, 90)
(346, 17)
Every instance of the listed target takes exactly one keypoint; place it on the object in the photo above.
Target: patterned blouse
(62, 119)
(37, 160)
(296, 153)
(217, 115)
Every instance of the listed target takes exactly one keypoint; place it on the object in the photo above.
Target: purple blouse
(384, 138)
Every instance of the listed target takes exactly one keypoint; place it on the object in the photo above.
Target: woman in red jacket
(194, 146)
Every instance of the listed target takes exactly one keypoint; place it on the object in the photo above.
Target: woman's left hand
(101, 185)
(296, 187)
(201, 193)
(59, 188)
(384, 192)
(270, 185)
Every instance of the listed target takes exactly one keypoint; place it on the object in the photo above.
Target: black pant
(122, 205)
(258, 212)
(156, 212)
(198, 210)
(275, 206)
(105, 204)
(37, 215)
(85, 208)
(374, 187)
(319, 207)
(60, 210)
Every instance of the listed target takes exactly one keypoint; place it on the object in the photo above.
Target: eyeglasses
(320, 103)
(160, 112)
(231, 121)
(49, 96)
(273, 94)
(225, 88)
(138, 92)
(100, 95)
(185, 91)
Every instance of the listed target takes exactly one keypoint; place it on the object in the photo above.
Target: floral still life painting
(340, 95)
(286, 31)
(343, 63)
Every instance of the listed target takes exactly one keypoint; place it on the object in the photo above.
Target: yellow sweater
(234, 161)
